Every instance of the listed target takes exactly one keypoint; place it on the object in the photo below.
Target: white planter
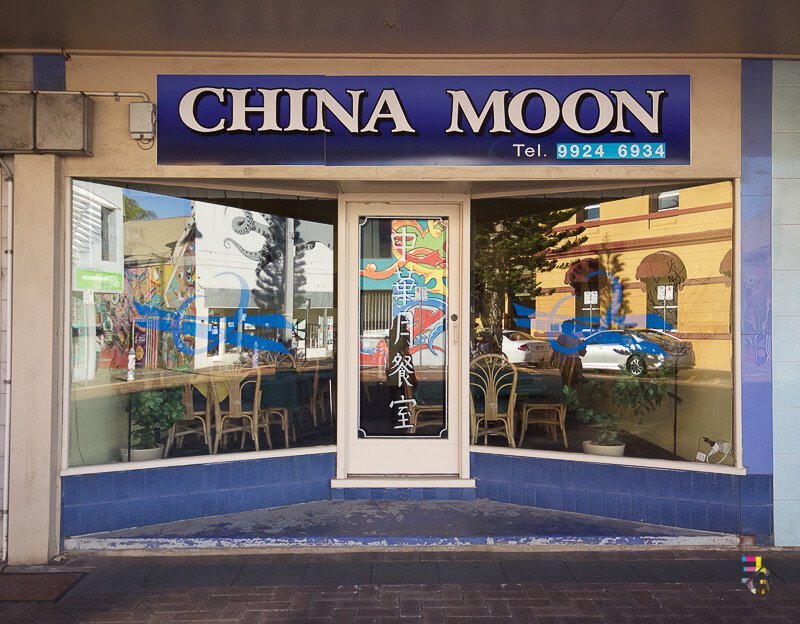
(142, 454)
(617, 450)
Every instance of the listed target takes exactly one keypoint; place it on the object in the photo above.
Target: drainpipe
(9, 178)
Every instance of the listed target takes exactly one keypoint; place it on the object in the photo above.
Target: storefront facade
(321, 296)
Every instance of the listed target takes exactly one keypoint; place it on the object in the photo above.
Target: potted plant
(152, 413)
(630, 394)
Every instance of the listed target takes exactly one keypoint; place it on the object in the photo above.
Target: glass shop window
(617, 343)
(199, 326)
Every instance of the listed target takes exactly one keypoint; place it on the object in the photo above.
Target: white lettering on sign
(238, 105)
(231, 110)
(499, 111)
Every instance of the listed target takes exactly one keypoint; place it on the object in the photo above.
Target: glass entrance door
(404, 328)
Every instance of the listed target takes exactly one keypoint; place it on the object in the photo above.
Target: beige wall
(37, 343)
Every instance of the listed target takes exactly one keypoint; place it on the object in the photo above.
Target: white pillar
(37, 343)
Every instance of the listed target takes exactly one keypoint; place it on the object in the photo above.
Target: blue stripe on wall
(756, 278)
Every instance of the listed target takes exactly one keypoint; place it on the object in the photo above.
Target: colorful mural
(416, 275)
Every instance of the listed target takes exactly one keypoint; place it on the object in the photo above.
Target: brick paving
(203, 588)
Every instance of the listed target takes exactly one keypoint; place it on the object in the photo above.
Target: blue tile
(763, 520)
(503, 492)
(166, 482)
(609, 504)
(748, 490)
(596, 503)
(568, 499)
(429, 493)
(105, 487)
(716, 489)
(71, 491)
(529, 494)
(716, 517)
(71, 521)
(238, 474)
(223, 476)
(669, 483)
(684, 513)
(136, 513)
(731, 489)
(122, 485)
(624, 506)
(639, 481)
(458, 493)
(542, 496)
(223, 502)
(582, 501)
(517, 473)
(105, 517)
(700, 515)
(469, 494)
(252, 472)
(517, 494)
(763, 488)
(302, 493)
(732, 516)
(569, 471)
(748, 520)
(88, 485)
(683, 485)
(208, 480)
(120, 515)
(654, 510)
(88, 519)
(337, 494)
(302, 471)
(151, 511)
(617, 479)
(151, 485)
(417, 494)
(136, 487)
(208, 503)
(554, 498)
(238, 500)
(595, 477)
(765, 540)
(482, 489)
(669, 512)
(556, 473)
(653, 483)
(402, 494)
(700, 485)
(638, 508)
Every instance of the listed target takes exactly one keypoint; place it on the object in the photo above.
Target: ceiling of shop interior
(528, 27)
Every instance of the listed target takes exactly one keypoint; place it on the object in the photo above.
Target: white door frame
(347, 329)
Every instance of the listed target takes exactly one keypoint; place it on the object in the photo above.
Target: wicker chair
(493, 383)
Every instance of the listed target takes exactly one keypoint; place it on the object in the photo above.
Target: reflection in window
(629, 361)
(199, 327)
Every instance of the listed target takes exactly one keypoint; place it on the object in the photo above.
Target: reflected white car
(637, 351)
(522, 348)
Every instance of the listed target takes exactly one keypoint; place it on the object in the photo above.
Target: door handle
(454, 318)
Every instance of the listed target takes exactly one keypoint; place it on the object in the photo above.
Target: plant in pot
(153, 412)
(630, 395)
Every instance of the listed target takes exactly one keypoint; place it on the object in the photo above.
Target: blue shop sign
(424, 120)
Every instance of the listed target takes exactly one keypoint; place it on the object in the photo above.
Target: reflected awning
(726, 266)
(580, 270)
(662, 264)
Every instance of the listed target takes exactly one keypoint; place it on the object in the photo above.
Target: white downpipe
(9, 178)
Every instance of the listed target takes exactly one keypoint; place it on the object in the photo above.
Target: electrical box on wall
(46, 123)
(16, 123)
(142, 120)
(64, 123)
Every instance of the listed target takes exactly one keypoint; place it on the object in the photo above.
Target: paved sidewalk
(647, 585)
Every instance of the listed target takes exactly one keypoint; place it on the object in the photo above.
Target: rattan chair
(493, 383)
